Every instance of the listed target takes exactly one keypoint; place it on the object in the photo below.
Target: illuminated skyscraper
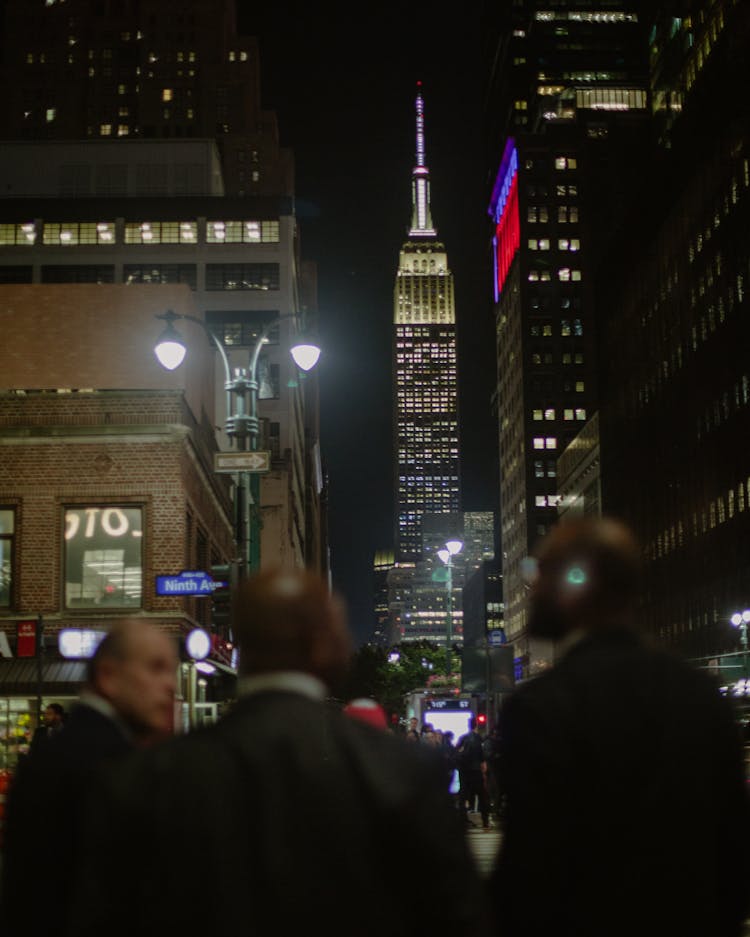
(425, 372)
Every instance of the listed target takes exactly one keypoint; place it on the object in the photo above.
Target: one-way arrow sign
(242, 461)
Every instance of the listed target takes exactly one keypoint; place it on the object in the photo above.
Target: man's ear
(574, 585)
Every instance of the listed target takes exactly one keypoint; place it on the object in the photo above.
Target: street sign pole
(39, 668)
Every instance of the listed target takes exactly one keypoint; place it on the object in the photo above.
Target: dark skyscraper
(425, 374)
(567, 105)
(675, 408)
(158, 69)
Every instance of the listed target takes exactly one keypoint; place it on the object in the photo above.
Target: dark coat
(285, 818)
(626, 809)
(44, 815)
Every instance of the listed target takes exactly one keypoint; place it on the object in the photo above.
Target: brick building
(106, 471)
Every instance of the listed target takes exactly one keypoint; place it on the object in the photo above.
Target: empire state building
(425, 374)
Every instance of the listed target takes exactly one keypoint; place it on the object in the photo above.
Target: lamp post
(740, 620)
(452, 547)
(241, 423)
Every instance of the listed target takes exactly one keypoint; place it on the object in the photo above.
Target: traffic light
(221, 599)
(481, 713)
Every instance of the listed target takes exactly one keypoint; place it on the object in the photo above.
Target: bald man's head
(288, 620)
(587, 577)
(135, 669)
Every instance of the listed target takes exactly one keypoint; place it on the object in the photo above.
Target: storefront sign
(77, 643)
(26, 646)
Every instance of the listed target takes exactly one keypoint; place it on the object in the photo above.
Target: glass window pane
(103, 557)
(6, 568)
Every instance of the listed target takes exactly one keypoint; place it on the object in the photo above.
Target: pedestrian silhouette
(293, 816)
(128, 699)
(625, 810)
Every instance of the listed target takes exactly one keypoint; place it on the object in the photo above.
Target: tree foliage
(373, 673)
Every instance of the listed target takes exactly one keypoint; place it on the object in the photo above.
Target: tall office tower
(675, 409)
(109, 69)
(567, 110)
(421, 595)
(425, 378)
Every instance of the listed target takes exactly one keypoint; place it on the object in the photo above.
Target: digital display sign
(505, 213)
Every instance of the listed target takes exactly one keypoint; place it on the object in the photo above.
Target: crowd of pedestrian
(616, 777)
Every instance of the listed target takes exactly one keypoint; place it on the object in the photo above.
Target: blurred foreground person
(626, 811)
(288, 816)
(128, 700)
(367, 710)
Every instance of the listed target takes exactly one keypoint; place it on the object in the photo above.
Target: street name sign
(242, 461)
(188, 582)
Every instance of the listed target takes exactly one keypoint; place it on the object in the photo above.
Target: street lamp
(452, 547)
(740, 620)
(242, 423)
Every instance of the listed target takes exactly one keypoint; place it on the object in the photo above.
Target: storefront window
(103, 557)
(7, 534)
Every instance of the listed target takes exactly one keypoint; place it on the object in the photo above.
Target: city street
(484, 844)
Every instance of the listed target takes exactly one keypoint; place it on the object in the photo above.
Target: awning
(18, 677)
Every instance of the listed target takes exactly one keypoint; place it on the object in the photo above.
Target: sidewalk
(483, 844)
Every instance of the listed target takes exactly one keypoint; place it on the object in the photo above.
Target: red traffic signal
(481, 719)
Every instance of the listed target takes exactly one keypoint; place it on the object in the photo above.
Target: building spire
(421, 217)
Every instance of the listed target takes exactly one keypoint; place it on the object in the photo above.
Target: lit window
(105, 130)
(537, 414)
(550, 442)
(539, 442)
(51, 114)
(103, 557)
(549, 414)
(580, 413)
(166, 94)
(7, 555)
(540, 501)
(568, 414)
(580, 387)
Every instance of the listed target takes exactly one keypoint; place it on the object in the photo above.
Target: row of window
(564, 275)
(547, 358)
(563, 244)
(568, 327)
(102, 553)
(587, 16)
(566, 214)
(139, 232)
(718, 511)
(218, 276)
(723, 407)
(550, 413)
(542, 191)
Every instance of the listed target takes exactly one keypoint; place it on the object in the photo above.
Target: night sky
(344, 90)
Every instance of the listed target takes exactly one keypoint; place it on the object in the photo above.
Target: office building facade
(675, 409)
(565, 126)
(425, 371)
(143, 69)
